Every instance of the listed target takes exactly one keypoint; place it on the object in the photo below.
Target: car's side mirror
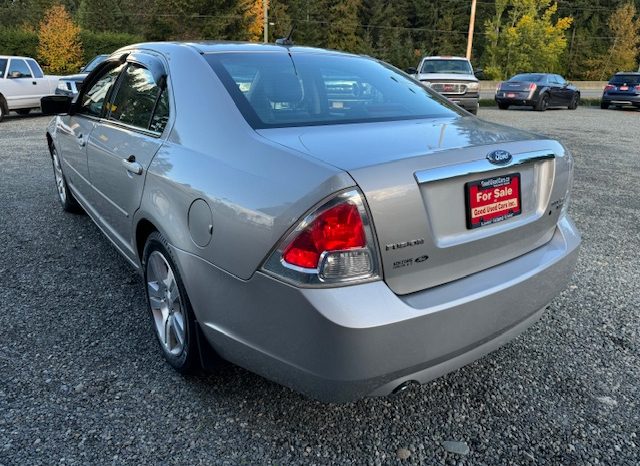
(479, 74)
(56, 104)
(15, 75)
(411, 71)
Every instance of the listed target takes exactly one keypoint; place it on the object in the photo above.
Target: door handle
(81, 140)
(131, 165)
(34, 82)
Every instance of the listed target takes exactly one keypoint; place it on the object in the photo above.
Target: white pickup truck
(22, 85)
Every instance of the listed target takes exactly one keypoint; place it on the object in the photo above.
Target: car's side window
(3, 66)
(161, 113)
(93, 100)
(135, 99)
(18, 69)
(35, 68)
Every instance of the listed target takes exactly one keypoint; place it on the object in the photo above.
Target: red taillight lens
(335, 229)
(532, 87)
(609, 87)
(637, 88)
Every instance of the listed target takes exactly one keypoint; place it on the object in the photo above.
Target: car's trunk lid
(413, 175)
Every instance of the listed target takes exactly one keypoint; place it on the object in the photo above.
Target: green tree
(523, 36)
(343, 30)
(623, 51)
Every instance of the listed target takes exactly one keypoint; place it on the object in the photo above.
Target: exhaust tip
(404, 385)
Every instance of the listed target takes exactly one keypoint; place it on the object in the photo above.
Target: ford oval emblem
(499, 157)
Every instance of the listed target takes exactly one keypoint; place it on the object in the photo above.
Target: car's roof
(628, 72)
(229, 46)
(443, 57)
(15, 56)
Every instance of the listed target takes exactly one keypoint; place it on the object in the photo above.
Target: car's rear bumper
(469, 103)
(621, 99)
(516, 101)
(340, 344)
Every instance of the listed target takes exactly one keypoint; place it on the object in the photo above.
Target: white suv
(23, 84)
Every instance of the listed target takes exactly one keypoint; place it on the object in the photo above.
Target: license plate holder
(511, 95)
(492, 200)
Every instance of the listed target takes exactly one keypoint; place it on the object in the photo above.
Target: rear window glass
(530, 78)
(626, 79)
(274, 89)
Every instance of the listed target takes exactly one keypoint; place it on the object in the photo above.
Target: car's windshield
(274, 89)
(446, 66)
(529, 78)
(631, 79)
(3, 66)
(93, 63)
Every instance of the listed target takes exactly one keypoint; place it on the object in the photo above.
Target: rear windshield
(529, 78)
(626, 79)
(274, 89)
(446, 66)
(3, 66)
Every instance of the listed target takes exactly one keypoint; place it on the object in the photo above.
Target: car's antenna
(286, 41)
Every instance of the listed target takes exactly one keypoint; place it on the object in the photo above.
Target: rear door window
(136, 98)
(35, 68)
(3, 66)
(18, 69)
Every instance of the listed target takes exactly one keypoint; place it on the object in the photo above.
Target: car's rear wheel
(503, 106)
(543, 103)
(604, 105)
(575, 100)
(3, 108)
(171, 312)
(23, 111)
(68, 202)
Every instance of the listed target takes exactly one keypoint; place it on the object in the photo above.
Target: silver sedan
(316, 217)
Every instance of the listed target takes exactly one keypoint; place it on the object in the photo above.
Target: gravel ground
(82, 382)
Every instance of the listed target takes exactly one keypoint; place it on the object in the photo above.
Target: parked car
(22, 85)
(341, 246)
(453, 77)
(70, 85)
(622, 90)
(538, 90)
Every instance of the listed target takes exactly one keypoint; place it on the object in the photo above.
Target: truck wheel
(3, 108)
(23, 111)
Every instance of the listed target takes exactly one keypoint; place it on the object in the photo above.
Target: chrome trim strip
(479, 166)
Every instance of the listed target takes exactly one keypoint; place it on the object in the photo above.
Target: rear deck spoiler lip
(479, 166)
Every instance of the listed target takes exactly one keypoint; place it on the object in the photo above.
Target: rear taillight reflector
(609, 87)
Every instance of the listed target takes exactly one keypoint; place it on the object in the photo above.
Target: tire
(575, 101)
(604, 105)
(171, 314)
(542, 103)
(3, 108)
(503, 106)
(67, 201)
(23, 111)
(474, 111)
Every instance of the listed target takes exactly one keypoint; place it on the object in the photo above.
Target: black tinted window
(19, 66)
(161, 114)
(277, 89)
(37, 72)
(529, 78)
(93, 99)
(136, 97)
(3, 66)
(631, 79)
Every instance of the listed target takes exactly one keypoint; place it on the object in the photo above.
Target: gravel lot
(82, 382)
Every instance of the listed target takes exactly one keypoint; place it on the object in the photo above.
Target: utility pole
(265, 24)
(472, 21)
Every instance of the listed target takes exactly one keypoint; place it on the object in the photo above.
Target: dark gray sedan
(538, 90)
(319, 218)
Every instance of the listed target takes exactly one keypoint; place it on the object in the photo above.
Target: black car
(70, 85)
(538, 90)
(623, 89)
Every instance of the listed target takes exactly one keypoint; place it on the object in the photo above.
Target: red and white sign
(492, 200)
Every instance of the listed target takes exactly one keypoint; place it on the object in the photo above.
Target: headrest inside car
(283, 87)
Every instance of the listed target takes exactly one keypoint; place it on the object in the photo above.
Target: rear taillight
(532, 87)
(332, 245)
(609, 87)
(637, 88)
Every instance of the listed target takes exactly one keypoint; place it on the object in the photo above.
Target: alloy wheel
(60, 183)
(166, 304)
